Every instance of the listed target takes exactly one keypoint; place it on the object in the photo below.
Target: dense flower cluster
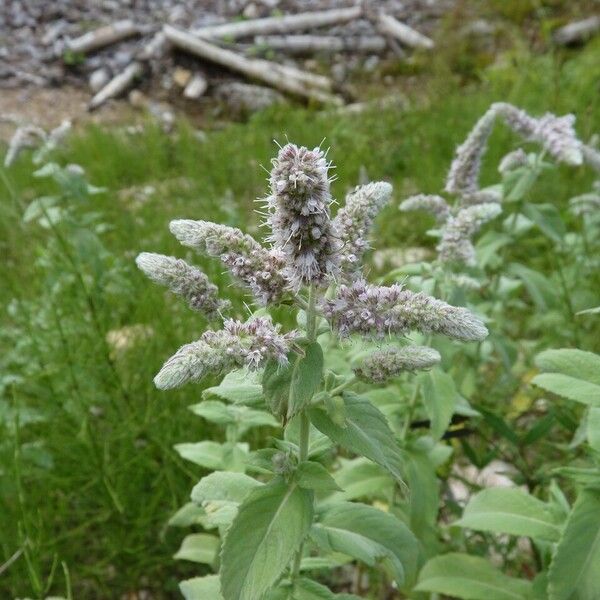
(391, 361)
(463, 176)
(354, 221)
(377, 311)
(455, 244)
(299, 216)
(184, 280)
(237, 345)
(513, 160)
(258, 268)
(555, 134)
(431, 203)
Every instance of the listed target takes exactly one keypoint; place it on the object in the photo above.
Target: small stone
(181, 77)
(98, 79)
(137, 99)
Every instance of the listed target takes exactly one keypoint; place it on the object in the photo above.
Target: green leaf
(276, 383)
(314, 476)
(224, 486)
(569, 387)
(270, 525)
(38, 207)
(336, 409)
(575, 569)
(470, 578)
(369, 534)
(593, 428)
(571, 362)
(512, 511)
(239, 387)
(307, 589)
(366, 432)
(547, 218)
(199, 547)
(206, 454)
(214, 456)
(213, 411)
(439, 397)
(361, 478)
(229, 414)
(306, 378)
(189, 514)
(541, 290)
(201, 588)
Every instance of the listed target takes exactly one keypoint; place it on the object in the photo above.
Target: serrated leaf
(439, 397)
(593, 428)
(276, 383)
(541, 290)
(575, 568)
(270, 525)
(199, 547)
(189, 514)
(547, 218)
(224, 486)
(306, 378)
(239, 387)
(569, 387)
(366, 432)
(571, 362)
(201, 588)
(369, 534)
(512, 511)
(361, 478)
(229, 414)
(469, 578)
(214, 456)
(314, 476)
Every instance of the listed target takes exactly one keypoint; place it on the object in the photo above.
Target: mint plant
(370, 382)
(280, 524)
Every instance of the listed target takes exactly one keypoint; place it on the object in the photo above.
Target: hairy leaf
(271, 524)
(369, 534)
(512, 511)
(469, 578)
(314, 476)
(201, 588)
(571, 362)
(366, 432)
(306, 378)
(575, 569)
(439, 397)
(569, 387)
(199, 547)
(224, 485)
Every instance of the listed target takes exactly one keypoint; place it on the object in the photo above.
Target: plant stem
(311, 334)
(340, 388)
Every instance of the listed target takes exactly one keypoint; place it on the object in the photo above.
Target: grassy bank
(88, 477)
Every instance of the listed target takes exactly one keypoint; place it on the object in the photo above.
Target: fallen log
(104, 36)
(311, 79)
(282, 24)
(117, 85)
(309, 44)
(156, 48)
(406, 35)
(578, 31)
(263, 70)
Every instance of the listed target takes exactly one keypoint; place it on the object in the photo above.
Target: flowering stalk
(378, 311)
(299, 216)
(555, 134)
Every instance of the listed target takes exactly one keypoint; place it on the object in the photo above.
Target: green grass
(101, 507)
